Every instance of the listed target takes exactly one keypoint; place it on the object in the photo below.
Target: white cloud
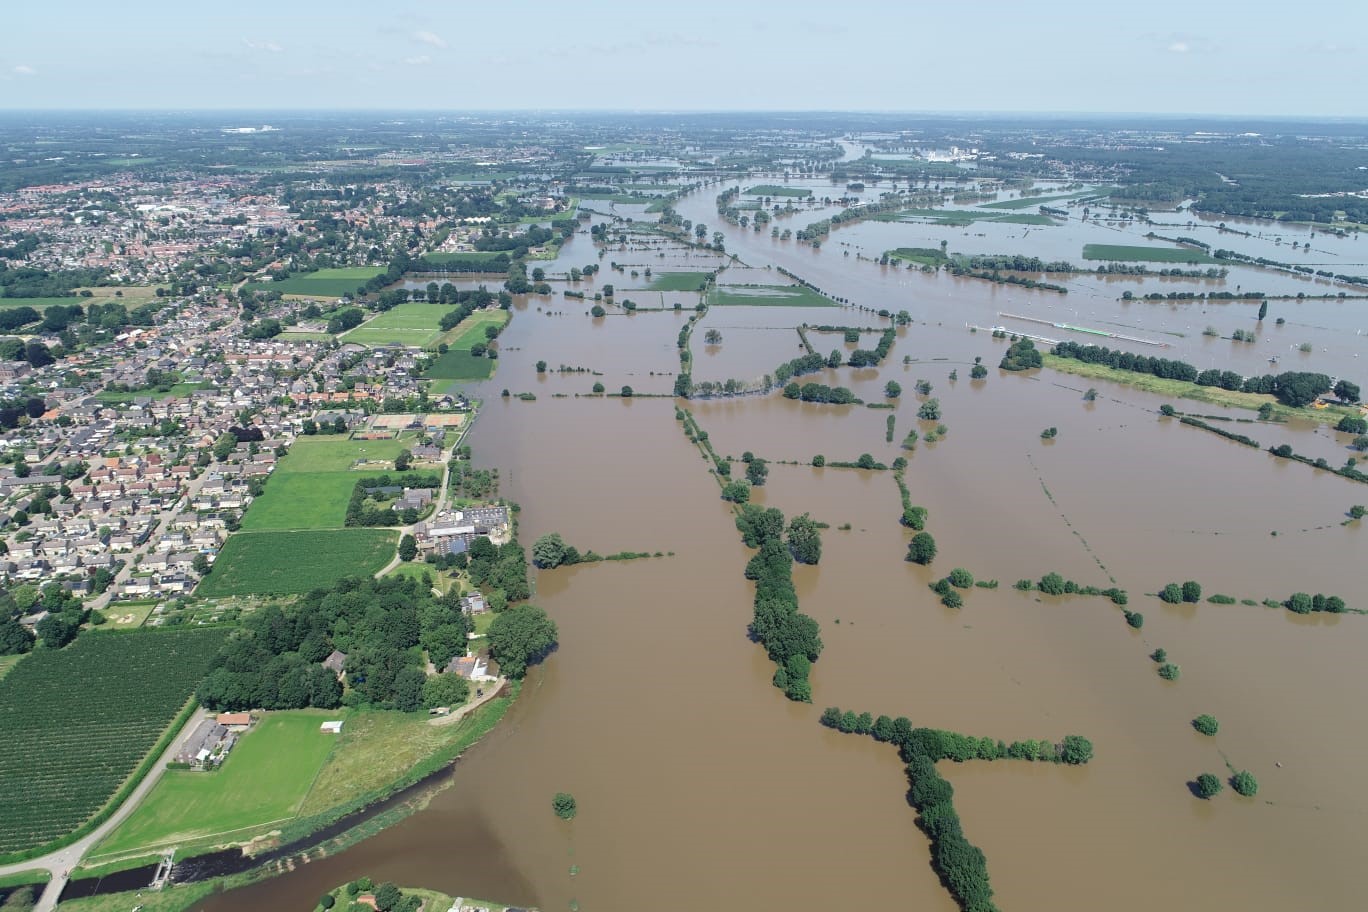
(431, 38)
(1179, 47)
(25, 70)
(263, 45)
(420, 60)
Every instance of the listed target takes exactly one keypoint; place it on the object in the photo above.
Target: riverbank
(422, 754)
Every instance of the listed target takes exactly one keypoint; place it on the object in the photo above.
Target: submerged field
(767, 296)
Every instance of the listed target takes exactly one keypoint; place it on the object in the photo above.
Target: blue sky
(1163, 56)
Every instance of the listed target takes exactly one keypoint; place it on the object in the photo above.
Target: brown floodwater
(698, 784)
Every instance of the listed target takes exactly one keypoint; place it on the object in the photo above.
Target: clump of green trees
(791, 638)
(1206, 724)
(1302, 603)
(1190, 592)
(564, 805)
(1054, 584)
(1021, 355)
(922, 548)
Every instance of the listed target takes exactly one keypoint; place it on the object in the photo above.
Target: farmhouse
(206, 746)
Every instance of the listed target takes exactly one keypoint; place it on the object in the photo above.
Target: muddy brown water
(698, 784)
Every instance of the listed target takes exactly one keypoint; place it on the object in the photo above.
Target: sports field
(292, 563)
(262, 783)
(324, 283)
(414, 324)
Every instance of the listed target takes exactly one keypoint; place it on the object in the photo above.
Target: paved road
(63, 861)
(441, 499)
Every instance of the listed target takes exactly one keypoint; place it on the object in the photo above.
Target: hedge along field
(1127, 253)
(414, 324)
(292, 563)
(76, 722)
(325, 283)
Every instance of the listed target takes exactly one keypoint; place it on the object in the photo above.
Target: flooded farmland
(700, 785)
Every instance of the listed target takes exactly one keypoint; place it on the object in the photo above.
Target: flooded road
(700, 785)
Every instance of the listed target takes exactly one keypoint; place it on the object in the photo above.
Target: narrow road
(441, 499)
(63, 861)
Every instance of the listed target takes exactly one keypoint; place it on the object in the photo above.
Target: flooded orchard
(699, 784)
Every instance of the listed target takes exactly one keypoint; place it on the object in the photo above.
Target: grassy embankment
(1028, 202)
(1181, 389)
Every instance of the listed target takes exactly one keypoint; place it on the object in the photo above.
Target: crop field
(76, 722)
(767, 296)
(324, 283)
(472, 328)
(678, 281)
(292, 563)
(1126, 253)
(459, 364)
(775, 190)
(263, 782)
(413, 324)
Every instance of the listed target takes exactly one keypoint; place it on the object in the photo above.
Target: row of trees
(819, 392)
(1293, 388)
(962, 867)
(790, 637)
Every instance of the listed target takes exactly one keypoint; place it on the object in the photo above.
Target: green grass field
(1126, 253)
(958, 218)
(472, 328)
(302, 500)
(263, 782)
(775, 190)
(922, 256)
(292, 563)
(767, 296)
(324, 283)
(408, 324)
(336, 454)
(1027, 202)
(460, 364)
(678, 281)
(313, 483)
(176, 391)
(463, 257)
